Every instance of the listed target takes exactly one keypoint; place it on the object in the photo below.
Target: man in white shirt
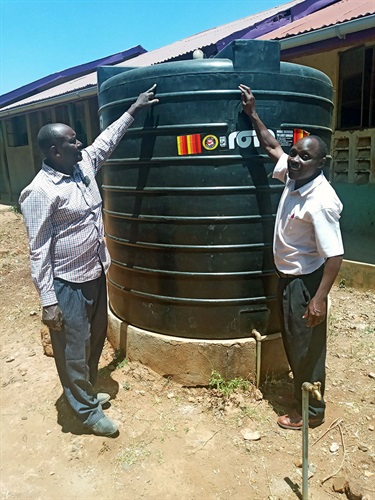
(308, 252)
(62, 209)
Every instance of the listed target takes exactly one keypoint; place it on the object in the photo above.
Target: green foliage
(369, 330)
(275, 383)
(342, 283)
(119, 360)
(15, 209)
(227, 387)
(121, 364)
(135, 453)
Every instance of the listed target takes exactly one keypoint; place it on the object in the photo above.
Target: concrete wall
(356, 275)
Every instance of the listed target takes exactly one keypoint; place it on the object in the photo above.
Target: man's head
(60, 145)
(306, 159)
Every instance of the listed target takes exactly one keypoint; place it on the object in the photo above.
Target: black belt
(286, 276)
(293, 276)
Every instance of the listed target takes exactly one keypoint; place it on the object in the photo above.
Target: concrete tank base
(190, 362)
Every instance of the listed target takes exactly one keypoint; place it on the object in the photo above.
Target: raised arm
(266, 139)
(144, 99)
(106, 142)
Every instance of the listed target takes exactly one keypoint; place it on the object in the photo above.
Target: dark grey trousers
(305, 347)
(78, 346)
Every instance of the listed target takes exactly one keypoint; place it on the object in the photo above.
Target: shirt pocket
(296, 226)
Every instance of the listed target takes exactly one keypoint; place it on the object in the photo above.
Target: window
(46, 115)
(16, 130)
(356, 89)
(62, 114)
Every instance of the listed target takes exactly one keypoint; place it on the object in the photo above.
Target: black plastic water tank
(189, 201)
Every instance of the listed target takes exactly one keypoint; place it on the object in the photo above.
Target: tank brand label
(210, 142)
(287, 138)
(244, 139)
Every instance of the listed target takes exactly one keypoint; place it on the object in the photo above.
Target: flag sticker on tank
(299, 133)
(189, 144)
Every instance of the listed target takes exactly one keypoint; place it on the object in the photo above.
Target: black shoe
(104, 427)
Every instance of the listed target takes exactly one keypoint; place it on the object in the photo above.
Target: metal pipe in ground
(258, 352)
(315, 391)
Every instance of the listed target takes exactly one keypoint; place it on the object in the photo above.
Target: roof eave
(52, 101)
(340, 30)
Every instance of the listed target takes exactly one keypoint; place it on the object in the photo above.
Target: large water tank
(189, 201)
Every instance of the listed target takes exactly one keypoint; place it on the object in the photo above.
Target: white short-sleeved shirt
(307, 229)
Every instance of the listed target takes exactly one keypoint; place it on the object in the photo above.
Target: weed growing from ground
(15, 209)
(119, 360)
(342, 283)
(133, 454)
(227, 387)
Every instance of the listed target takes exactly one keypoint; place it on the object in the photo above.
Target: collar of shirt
(306, 188)
(55, 175)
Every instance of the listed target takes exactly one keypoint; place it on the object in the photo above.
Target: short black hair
(48, 135)
(323, 148)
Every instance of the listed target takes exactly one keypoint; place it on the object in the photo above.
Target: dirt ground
(176, 442)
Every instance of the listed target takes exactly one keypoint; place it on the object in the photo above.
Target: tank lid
(106, 72)
(261, 55)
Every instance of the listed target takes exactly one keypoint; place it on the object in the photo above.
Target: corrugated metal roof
(206, 38)
(247, 27)
(67, 74)
(342, 11)
(168, 52)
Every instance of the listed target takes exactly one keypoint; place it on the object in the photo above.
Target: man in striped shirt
(62, 209)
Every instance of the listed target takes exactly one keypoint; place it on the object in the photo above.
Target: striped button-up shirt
(63, 217)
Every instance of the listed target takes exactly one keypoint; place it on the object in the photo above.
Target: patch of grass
(251, 412)
(332, 322)
(133, 454)
(274, 383)
(169, 425)
(160, 457)
(227, 387)
(15, 209)
(342, 283)
(365, 344)
(168, 379)
(369, 330)
(119, 360)
(121, 364)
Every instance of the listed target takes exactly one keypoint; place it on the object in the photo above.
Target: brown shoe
(293, 421)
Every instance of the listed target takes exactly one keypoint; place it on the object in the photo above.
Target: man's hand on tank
(248, 99)
(52, 317)
(146, 98)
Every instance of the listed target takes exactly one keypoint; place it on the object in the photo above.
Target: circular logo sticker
(210, 142)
